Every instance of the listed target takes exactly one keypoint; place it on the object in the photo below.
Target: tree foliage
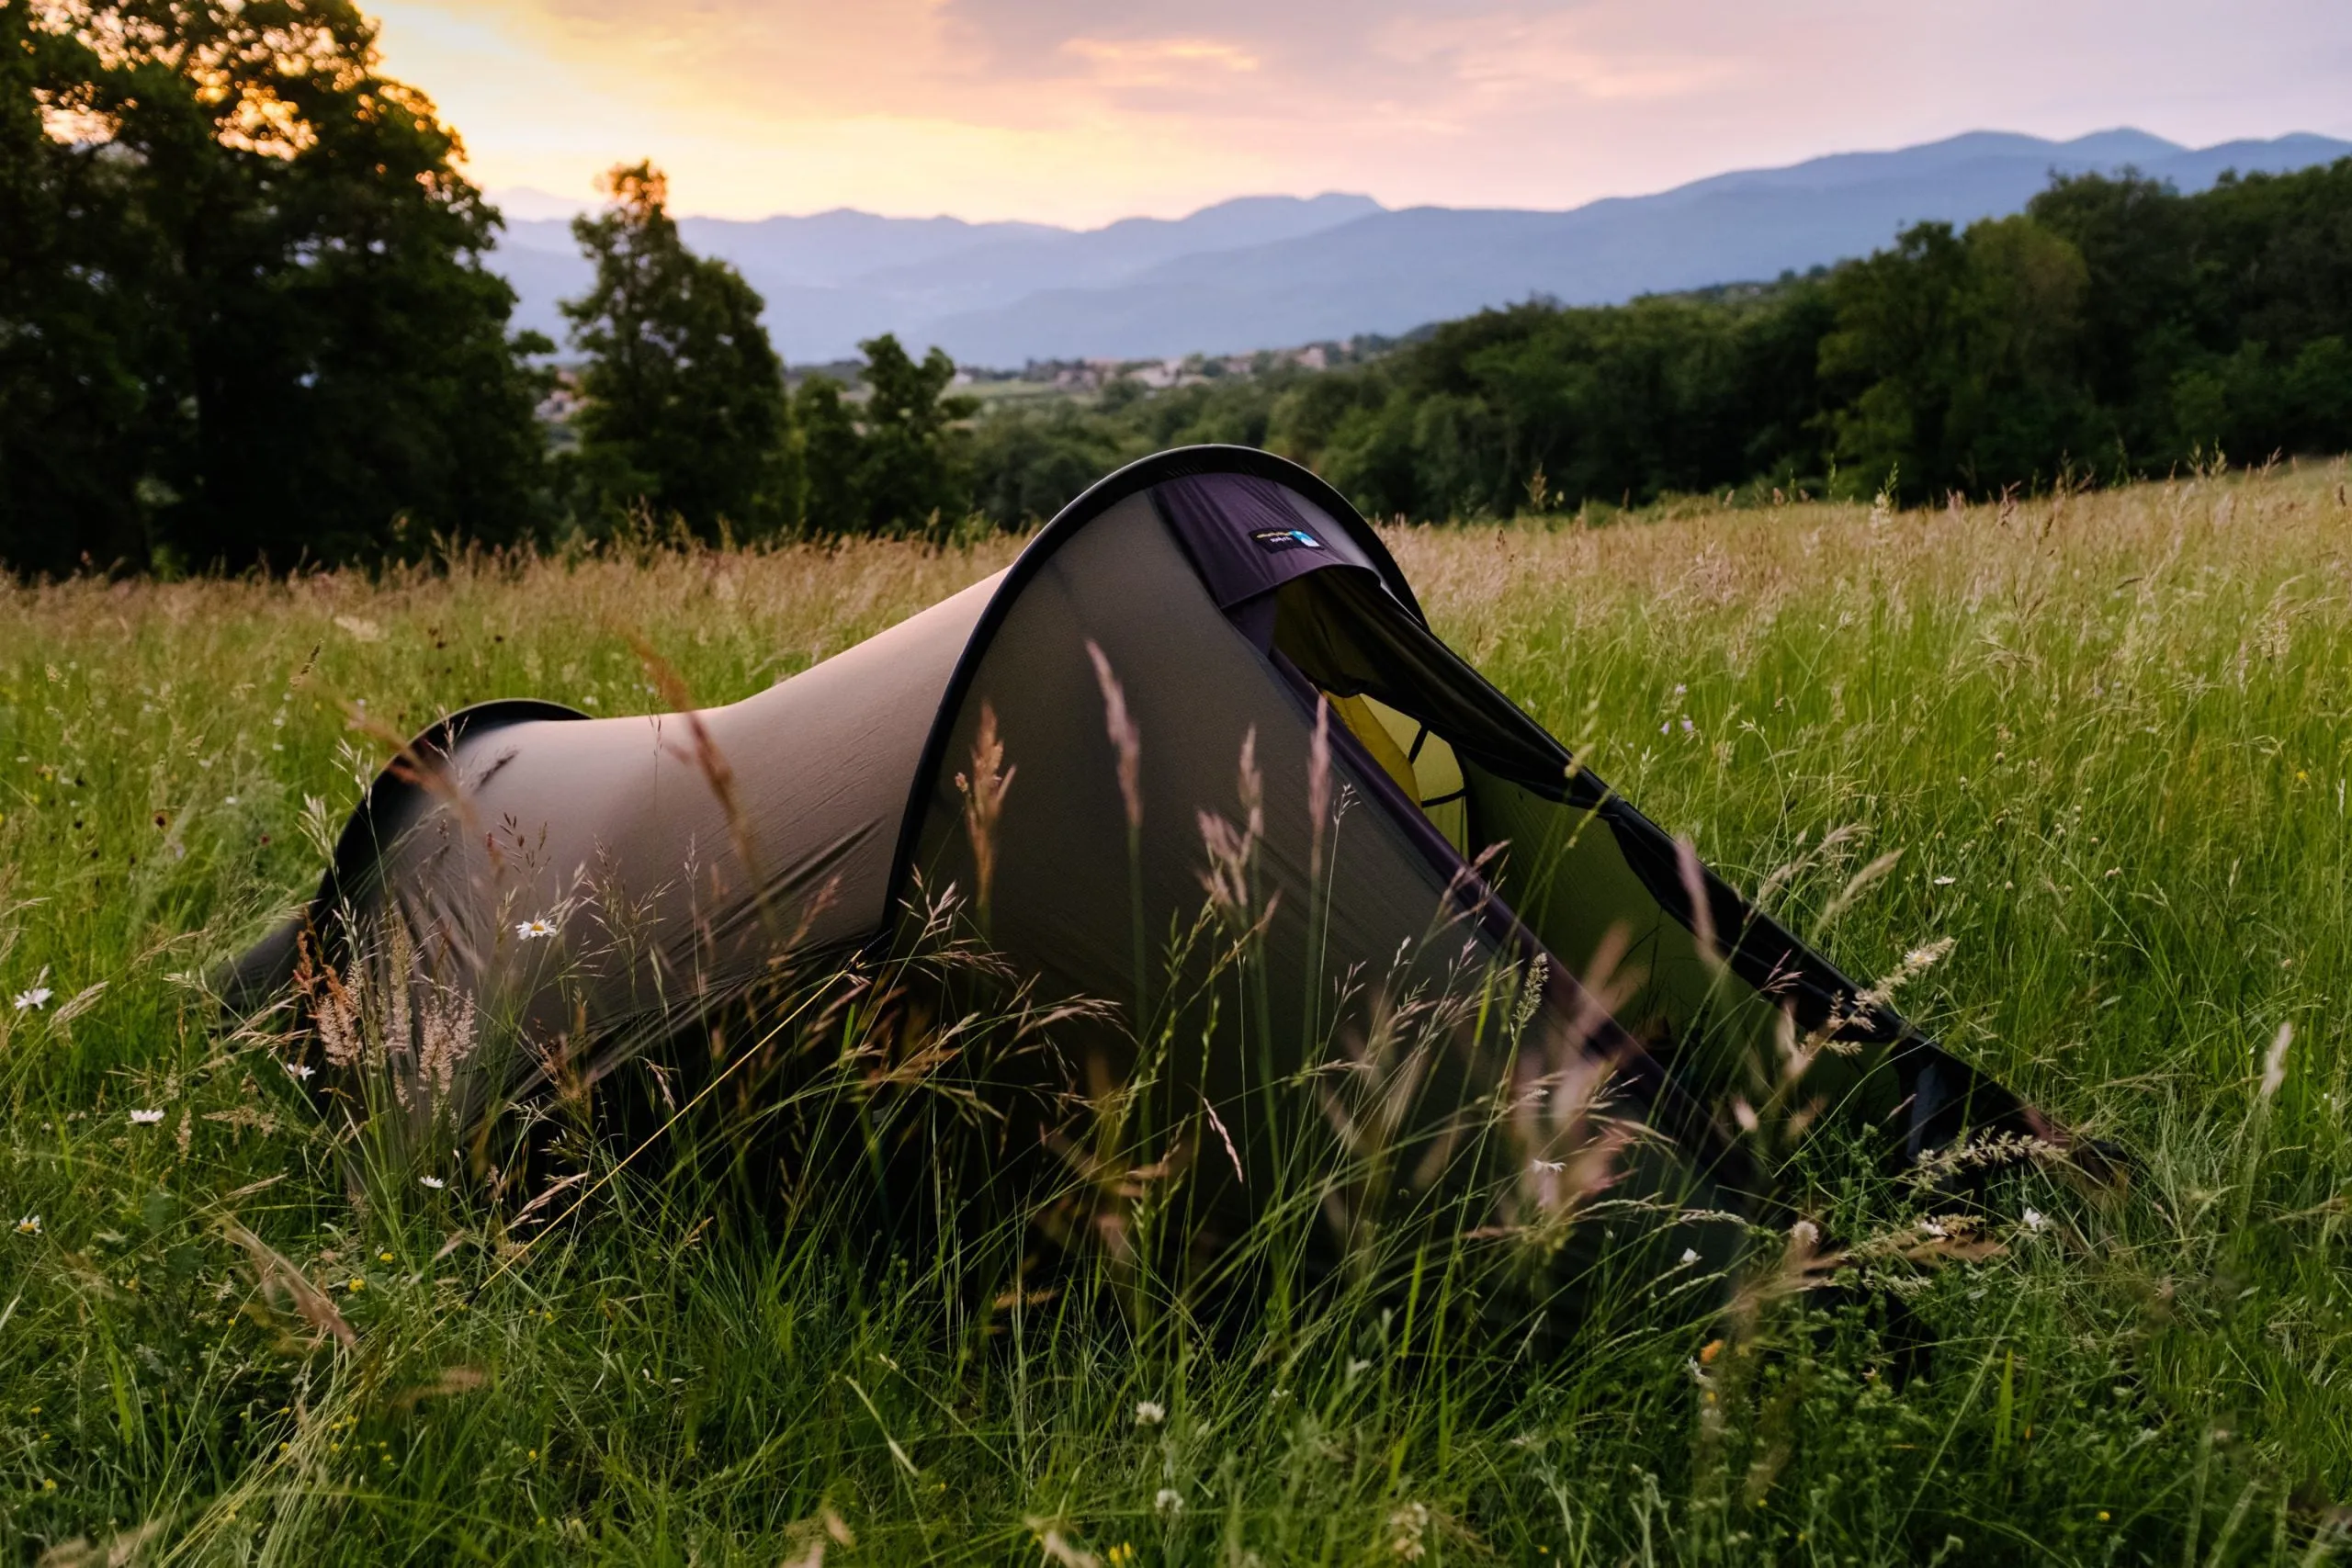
(896, 462)
(684, 410)
(685, 417)
(242, 313)
(910, 463)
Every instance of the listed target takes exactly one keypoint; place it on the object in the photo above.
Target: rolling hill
(1271, 270)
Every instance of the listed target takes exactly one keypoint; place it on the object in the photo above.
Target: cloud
(1161, 60)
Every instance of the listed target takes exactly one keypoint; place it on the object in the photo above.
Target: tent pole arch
(1142, 475)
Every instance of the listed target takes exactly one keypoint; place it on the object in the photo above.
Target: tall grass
(2097, 742)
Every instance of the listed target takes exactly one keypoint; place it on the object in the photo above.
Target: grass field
(2107, 733)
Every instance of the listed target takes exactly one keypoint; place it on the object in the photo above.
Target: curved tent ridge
(1201, 461)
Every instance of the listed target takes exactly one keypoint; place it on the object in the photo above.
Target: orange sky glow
(1079, 113)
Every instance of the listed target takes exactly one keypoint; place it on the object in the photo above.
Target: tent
(1205, 682)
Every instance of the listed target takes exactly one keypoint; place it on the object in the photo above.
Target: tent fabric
(594, 885)
(665, 890)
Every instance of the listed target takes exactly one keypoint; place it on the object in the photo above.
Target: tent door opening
(1503, 794)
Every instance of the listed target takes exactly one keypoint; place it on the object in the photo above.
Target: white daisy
(145, 1118)
(432, 1181)
(37, 998)
(29, 1225)
(534, 928)
(1168, 1502)
(1150, 1412)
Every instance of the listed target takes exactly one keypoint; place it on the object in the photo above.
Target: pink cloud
(1079, 112)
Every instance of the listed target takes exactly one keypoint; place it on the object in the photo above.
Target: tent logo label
(1275, 541)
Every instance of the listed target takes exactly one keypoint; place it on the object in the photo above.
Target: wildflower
(1150, 1412)
(1687, 728)
(534, 928)
(298, 1070)
(1409, 1523)
(1943, 881)
(1168, 1502)
(145, 1118)
(34, 999)
(1689, 1255)
(1933, 1228)
(2036, 1220)
(435, 1182)
(29, 1225)
(383, 1257)
(356, 1284)
(1121, 1555)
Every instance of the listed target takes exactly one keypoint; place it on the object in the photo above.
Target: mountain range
(1266, 271)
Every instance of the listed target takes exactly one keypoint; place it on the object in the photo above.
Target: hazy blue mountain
(834, 277)
(1270, 271)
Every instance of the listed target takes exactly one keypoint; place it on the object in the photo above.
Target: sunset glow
(1052, 110)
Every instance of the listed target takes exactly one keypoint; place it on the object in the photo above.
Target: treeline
(244, 319)
(2116, 329)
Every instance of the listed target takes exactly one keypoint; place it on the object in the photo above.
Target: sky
(1083, 111)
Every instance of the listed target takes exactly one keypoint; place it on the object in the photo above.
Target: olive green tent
(1207, 680)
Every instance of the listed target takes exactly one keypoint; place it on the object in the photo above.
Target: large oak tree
(244, 316)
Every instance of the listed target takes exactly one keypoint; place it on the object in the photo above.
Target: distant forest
(245, 320)
(2114, 329)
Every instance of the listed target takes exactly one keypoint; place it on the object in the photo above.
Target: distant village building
(562, 400)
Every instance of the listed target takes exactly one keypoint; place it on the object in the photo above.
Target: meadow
(2099, 742)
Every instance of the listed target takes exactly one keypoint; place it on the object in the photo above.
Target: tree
(243, 309)
(684, 403)
(1959, 357)
(2141, 315)
(911, 470)
(898, 462)
(831, 455)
